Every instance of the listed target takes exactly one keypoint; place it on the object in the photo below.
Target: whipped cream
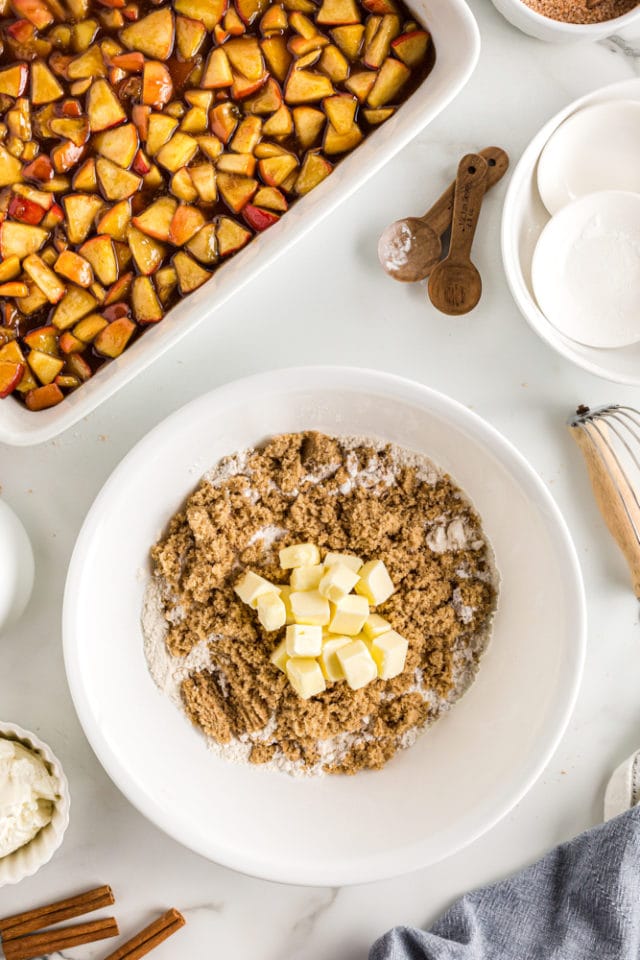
(27, 795)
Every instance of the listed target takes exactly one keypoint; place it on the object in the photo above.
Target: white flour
(168, 671)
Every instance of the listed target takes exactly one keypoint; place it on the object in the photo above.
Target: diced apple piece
(148, 253)
(40, 169)
(231, 236)
(157, 85)
(308, 123)
(85, 177)
(272, 199)
(190, 274)
(89, 328)
(204, 246)
(200, 98)
(374, 117)
(349, 39)
(380, 7)
(41, 398)
(103, 107)
(65, 156)
(304, 6)
(274, 20)
(224, 119)
(209, 12)
(236, 191)
(412, 47)
(248, 10)
(166, 281)
(361, 84)
(88, 66)
(70, 343)
(20, 239)
(156, 219)
(210, 146)
(315, 168)
(144, 300)
(177, 152)
(67, 382)
(14, 288)
(182, 186)
(44, 86)
(75, 305)
(186, 222)
(247, 135)
(275, 170)
(245, 56)
(233, 24)
(203, 176)
(160, 129)
(100, 253)
(217, 72)
(303, 86)
(115, 221)
(377, 50)
(35, 11)
(268, 100)
(278, 58)
(132, 62)
(111, 341)
(10, 376)
(75, 268)
(9, 268)
(152, 35)
(121, 288)
(25, 210)
(334, 64)
(44, 366)
(340, 110)
(13, 79)
(263, 151)
(44, 277)
(243, 88)
(140, 113)
(259, 218)
(190, 35)
(44, 339)
(34, 301)
(243, 164)
(335, 142)
(392, 76)
(335, 13)
(116, 183)
(301, 46)
(118, 145)
(76, 129)
(54, 217)
(279, 124)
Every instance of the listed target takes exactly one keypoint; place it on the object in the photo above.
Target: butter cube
(357, 663)
(303, 640)
(348, 559)
(390, 654)
(329, 662)
(299, 555)
(306, 578)
(374, 626)
(272, 612)
(285, 594)
(250, 586)
(375, 583)
(337, 582)
(349, 615)
(310, 607)
(305, 676)
(280, 656)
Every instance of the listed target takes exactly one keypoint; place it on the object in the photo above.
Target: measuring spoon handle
(440, 214)
(469, 193)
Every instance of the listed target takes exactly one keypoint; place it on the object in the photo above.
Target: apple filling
(141, 145)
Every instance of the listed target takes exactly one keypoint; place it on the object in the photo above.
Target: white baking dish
(457, 42)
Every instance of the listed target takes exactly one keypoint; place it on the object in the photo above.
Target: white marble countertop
(343, 309)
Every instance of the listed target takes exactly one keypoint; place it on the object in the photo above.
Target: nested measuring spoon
(455, 286)
(410, 248)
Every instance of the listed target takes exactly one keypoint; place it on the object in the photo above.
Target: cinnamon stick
(148, 938)
(52, 941)
(52, 913)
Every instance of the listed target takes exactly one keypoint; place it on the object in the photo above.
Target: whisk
(609, 438)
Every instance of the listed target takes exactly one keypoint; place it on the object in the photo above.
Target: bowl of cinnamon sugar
(570, 21)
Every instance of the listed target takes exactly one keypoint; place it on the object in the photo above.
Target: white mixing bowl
(460, 777)
(557, 31)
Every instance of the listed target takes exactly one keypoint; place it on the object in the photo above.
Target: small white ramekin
(557, 31)
(28, 859)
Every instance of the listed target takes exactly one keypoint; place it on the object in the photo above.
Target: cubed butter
(280, 656)
(375, 583)
(250, 586)
(389, 651)
(272, 612)
(303, 640)
(306, 578)
(305, 676)
(357, 663)
(299, 555)
(310, 607)
(337, 582)
(348, 559)
(285, 593)
(349, 615)
(375, 625)
(328, 660)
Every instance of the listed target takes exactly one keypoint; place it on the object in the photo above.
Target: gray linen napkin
(580, 902)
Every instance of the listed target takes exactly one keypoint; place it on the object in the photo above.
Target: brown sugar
(355, 496)
(581, 11)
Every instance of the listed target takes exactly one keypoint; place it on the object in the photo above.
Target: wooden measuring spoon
(455, 286)
(410, 248)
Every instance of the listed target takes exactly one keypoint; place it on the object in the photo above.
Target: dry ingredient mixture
(580, 11)
(208, 652)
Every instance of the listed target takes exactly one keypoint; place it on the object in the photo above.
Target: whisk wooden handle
(613, 494)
